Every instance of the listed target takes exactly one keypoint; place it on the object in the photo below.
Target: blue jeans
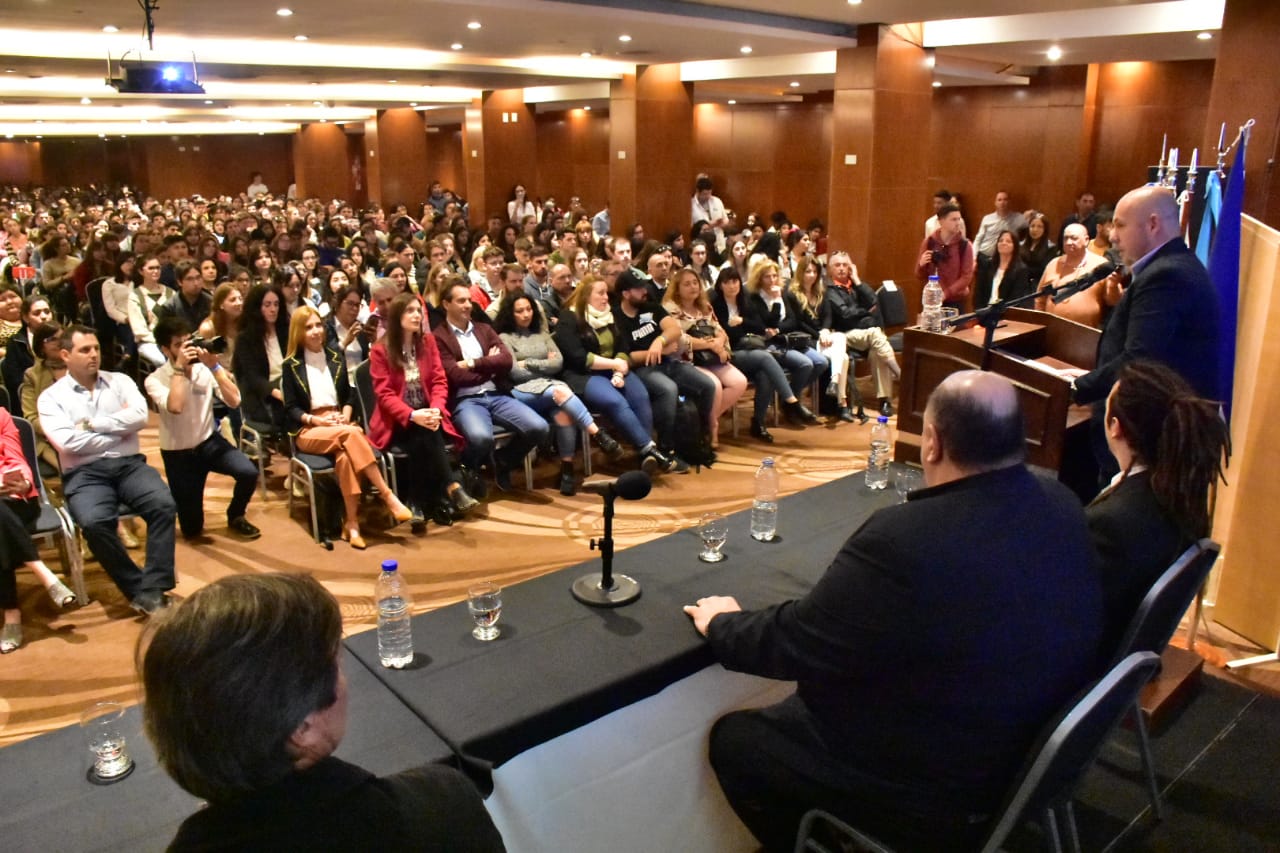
(803, 365)
(627, 408)
(665, 383)
(545, 404)
(475, 417)
(763, 369)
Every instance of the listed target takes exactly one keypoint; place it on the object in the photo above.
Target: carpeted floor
(72, 660)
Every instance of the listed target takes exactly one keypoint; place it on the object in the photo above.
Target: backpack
(692, 444)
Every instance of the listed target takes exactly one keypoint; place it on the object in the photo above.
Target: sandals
(10, 638)
(61, 595)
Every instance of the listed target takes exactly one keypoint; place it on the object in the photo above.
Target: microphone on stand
(1065, 291)
(606, 589)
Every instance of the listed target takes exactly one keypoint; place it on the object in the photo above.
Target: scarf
(598, 319)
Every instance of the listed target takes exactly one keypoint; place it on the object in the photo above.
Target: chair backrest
(27, 433)
(893, 307)
(364, 392)
(1071, 742)
(1165, 603)
(5, 400)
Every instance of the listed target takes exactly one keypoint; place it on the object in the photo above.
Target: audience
(253, 733)
(920, 659)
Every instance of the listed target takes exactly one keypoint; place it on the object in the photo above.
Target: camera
(939, 255)
(216, 345)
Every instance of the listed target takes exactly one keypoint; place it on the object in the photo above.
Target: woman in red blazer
(19, 506)
(411, 416)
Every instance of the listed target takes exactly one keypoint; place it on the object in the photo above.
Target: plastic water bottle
(395, 607)
(931, 300)
(878, 462)
(764, 510)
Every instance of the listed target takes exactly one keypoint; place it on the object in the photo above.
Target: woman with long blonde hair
(687, 302)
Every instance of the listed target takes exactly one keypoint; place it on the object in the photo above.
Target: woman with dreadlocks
(1171, 446)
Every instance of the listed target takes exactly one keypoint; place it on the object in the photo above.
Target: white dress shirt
(190, 427)
(87, 424)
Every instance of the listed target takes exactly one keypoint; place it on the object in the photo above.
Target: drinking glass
(712, 530)
(906, 481)
(104, 731)
(484, 600)
(949, 316)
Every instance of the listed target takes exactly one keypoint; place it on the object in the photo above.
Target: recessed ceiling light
(586, 54)
(855, 2)
(795, 84)
(587, 108)
(937, 85)
(413, 103)
(317, 103)
(457, 45)
(299, 37)
(208, 102)
(393, 82)
(8, 71)
(732, 102)
(85, 102)
(473, 25)
(111, 28)
(284, 13)
(624, 37)
(1204, 36)
(746, 48)
(1054, 53)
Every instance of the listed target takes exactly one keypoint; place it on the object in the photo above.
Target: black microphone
(631, 486)
(1065, 291)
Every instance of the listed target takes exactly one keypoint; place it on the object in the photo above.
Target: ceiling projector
(145, 78)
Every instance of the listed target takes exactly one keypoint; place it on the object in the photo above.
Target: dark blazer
(1135, 540)
(333, 341)
(752, 319)
(490, 368)
(577, 340)
(851, 309)
(253, 372)
(1169, 314)
(942, 637)
(814, 321)
(297, 390)
(1017, 282)
(431, 808)
(793, 322)
(17, 358)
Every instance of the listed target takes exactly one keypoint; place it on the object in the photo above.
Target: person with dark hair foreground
(1170, 445)
(253, 732)
(928, 655)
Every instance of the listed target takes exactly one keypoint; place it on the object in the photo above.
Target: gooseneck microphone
(605, 589)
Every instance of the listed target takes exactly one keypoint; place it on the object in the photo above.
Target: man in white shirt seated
(92, 418)
(183, 390)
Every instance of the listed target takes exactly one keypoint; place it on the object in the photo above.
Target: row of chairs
(1068, 745)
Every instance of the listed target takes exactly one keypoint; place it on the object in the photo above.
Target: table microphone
(1065, 291)
(631, 486)
(605, 589)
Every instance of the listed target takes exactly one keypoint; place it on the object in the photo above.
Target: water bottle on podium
(931, 302)
(878, 461)
(764, 509)
(395, 609)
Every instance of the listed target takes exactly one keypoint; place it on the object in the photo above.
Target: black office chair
(893, 313)
(53, 525)
(304, 470)
(1060, 757)
(1154, 624)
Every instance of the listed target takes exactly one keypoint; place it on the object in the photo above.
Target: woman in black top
(740, 320)
(1037, 250)
(259, 356)
(1006, 277)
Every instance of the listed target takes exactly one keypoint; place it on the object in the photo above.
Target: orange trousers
(347, 445)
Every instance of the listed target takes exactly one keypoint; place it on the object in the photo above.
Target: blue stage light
(170, 73)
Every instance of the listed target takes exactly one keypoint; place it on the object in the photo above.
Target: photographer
(183, 389)
(948, 255)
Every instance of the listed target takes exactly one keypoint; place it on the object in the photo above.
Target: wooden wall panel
(20, 162)
(622, 152)
(474, 160)
(445, 158)
(510, 149)
(402, 148)
(370, 153)
(573, 157)
(664, 143)
(320, 161)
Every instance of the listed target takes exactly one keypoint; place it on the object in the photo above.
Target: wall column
(622, 153)
(510, 151)
(881, 113)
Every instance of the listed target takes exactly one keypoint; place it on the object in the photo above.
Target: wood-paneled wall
(573, 157)
(320, 161)
(445, 158)
(402, 150)
(20, 162)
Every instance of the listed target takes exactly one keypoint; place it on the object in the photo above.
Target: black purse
(798, 340)
(704, 357)
(751, 341)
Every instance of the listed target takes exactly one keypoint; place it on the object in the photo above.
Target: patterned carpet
(84, 656)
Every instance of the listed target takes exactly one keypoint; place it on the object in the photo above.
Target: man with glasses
(191, 302)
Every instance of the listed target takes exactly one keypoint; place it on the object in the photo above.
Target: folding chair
(53, 525)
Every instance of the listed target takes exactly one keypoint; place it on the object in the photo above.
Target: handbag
(798, 340)
(751, 341)
(704, 357)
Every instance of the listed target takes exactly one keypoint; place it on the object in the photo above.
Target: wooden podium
(1026, 343)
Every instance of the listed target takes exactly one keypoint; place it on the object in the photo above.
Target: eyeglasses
(349, 304)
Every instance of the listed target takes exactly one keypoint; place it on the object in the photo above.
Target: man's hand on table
(708, 608)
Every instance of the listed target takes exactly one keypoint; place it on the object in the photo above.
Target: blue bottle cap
(884, 419)
(767, 461)
(390, 565)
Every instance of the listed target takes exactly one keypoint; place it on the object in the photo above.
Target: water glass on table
(484, 601)
(905, 481)
(103, 726)
(713, 530)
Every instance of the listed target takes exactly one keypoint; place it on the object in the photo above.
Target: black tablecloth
(559, 664)
(47, 804)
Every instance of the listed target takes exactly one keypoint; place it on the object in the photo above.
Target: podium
(1027, 345)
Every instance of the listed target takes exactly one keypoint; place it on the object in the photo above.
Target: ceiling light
(85, 102)
(317, 103)
(413, 103)
(393, 82)
(457, 45)
(586, 54)
(624, 37)
(8, 71)
(208, 102)
(732, 102)
(284, 13)
(1054, 53)
(111, 28)
(855, 2)
(1204, 36)
(937, 84)
(473, 25)
(587, 108)
(795, 84)
(299, 37)
(746, 48)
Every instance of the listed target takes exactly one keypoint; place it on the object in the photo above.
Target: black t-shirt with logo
(638, 332)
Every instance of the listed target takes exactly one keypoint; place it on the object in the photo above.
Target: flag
(1212, 216)
(1224, 269)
